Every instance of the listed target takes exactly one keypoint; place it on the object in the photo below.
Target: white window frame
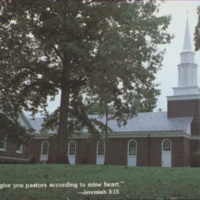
(101, 148)
(168, 147)
(44, 156)
(4, 145)
(166, 151)
(42, 148)
(19, 148)
(134, 153)
(72, 149)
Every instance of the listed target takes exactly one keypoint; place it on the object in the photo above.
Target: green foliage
(13, 131)
(77, 124)
(106, 50)
(197, 32)
(94, 108)
(103, 44)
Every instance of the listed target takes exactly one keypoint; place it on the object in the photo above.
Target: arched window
(132, 148)
(45, 148)
(3, 145)
(132, 153)
(19, 148)
(166, 159)
(100, 148)
(166, 145)
(72, 148)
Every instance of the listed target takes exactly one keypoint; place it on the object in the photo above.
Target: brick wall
(181, 154)
(10, 155)
(35, 149)
(185, 108)
(195, 153)
(149, 151)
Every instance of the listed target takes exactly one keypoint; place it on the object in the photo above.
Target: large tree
(88, 50)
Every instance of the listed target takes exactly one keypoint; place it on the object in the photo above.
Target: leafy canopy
(197, 32)
(13, 131)
(89, 50)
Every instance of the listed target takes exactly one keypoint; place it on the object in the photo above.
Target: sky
(168, 75)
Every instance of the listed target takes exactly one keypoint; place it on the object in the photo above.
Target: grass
(125, 183)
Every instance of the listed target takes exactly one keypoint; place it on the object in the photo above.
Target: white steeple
(187, 41)
(187, 69)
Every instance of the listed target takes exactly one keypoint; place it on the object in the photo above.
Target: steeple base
(188, 90)
(185, 106)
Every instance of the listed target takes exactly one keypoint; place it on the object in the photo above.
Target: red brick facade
(185, 108)
(184, 147)
(149, 151)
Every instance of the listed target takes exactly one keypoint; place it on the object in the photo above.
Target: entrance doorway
(132, 153)
(100, 159)
(166, 153)
(72, 152)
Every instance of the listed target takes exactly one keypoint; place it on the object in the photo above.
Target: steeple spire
(187, 46)
(187, 69)
(186, 98)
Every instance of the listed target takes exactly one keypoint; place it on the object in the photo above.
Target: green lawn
(36, 182)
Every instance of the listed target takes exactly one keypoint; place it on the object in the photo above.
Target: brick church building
(167, 139)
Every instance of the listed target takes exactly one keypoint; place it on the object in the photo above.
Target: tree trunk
(62, 140)
(106, 134)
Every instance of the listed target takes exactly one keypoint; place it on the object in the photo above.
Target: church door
(72, 152)
(100, 159)
(44, 151)
(166, 153)
(132, 153)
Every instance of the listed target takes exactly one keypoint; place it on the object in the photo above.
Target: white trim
(11, 158)
(132, 158)
(25, 120)
(184, 97)
(97, 152)
(135, 146)
(195, 137)
(156, 134)
(39, 136)
(138, 134)
(162, 164)
(20, 151)
(153, 134)
(100, 159)
(72, 158)
(42, 148)
(44, 157)
(5, 145)
(71, 141)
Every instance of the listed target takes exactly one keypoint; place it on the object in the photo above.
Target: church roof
(143, 122)
(152, 122)
(36, 123)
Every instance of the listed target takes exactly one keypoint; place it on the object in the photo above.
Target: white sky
(168, 75)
